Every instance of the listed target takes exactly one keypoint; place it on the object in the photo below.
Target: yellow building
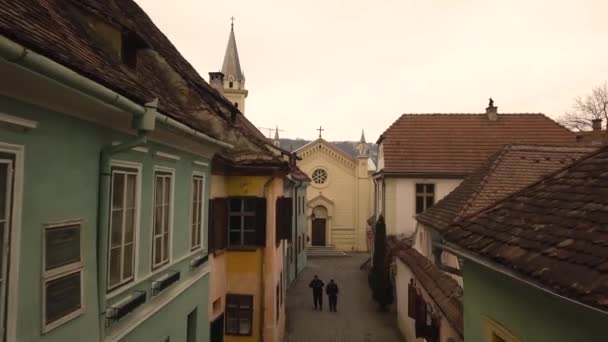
(340, 195)
(250, 220)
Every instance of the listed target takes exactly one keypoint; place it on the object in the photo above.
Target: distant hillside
(349, 147)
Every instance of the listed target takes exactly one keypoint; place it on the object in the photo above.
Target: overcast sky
(353, 64)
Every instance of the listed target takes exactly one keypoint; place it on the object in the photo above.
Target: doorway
(318, 231)
(217, 329)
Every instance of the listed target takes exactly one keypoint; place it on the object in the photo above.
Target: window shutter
(210, 225)
(220, 222)
(284, 213)
(260, 221)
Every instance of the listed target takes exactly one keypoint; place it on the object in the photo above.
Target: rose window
(319, 176)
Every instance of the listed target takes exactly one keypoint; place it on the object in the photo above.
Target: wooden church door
(318, 232)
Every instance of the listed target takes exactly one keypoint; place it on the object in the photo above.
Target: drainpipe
(511, 274)
(144, 125)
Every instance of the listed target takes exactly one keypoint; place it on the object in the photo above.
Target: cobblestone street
(357, 319)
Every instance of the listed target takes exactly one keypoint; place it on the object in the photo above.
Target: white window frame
(60, 272)
(171, 171)
(15, 238)
(424, 195)
(203, 199)
(134, 277)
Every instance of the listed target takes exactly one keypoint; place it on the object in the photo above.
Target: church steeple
(362, 146)
(232, 64)
(234, 78)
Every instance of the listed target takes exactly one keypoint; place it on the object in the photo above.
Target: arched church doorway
(319, 226)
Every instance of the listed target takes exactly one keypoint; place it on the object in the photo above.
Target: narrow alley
(357, 319)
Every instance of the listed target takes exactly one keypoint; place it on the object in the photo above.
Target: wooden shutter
(284, 214)
(260, 221)
(210, 225)
(219, 219)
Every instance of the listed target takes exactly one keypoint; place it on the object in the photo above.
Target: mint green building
(534, 264)
(106, 136)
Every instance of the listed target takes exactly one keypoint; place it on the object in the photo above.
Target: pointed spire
(277, 141)
(232, 65)
(362, 137)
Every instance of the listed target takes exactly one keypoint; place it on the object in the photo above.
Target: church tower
(362, 146)
(234, 79)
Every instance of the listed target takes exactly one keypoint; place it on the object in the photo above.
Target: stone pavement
(357, 319)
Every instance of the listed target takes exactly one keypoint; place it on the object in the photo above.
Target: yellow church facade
(340, 195)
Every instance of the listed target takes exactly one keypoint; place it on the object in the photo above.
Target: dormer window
(131, 44)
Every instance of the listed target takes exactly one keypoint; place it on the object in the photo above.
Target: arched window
(230, 84)
(236, 104)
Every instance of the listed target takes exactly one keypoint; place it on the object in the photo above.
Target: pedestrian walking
(317, 292)
(332, 295)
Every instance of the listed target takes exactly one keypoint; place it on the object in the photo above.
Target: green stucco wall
(61, 168)
(529, 314)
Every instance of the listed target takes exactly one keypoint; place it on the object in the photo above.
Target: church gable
(326, 149)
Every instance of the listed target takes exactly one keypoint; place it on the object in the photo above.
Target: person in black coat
(332, 294)
(317, 292)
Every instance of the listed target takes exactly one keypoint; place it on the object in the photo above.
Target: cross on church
(320, 129)
(232, 21)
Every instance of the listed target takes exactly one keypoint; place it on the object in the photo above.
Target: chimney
(596, 124)
(492, 111)
(216, 80)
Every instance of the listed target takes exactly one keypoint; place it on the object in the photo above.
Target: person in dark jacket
(332, 294)
(317, 292)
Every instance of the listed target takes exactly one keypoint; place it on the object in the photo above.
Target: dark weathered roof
(554, 232)
(60, 30)
(510, 169)
(456, 144)
(443, 289)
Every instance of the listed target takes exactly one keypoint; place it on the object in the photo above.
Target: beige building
(340, 194)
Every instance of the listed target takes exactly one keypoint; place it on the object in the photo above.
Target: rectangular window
(163, 212)
(63, 266)
(425, 197)
(239, 314)
(6, 205)
(242, 222)
(198, 211)
(123, 220)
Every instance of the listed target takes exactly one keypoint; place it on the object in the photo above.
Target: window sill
(132, 284)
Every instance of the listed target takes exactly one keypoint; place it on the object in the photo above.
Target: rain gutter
(509, 273)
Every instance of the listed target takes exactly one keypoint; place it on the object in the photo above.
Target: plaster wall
(401, 205)
(61, 181)
(527, 313)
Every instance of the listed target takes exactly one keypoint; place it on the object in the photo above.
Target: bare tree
(586, 109)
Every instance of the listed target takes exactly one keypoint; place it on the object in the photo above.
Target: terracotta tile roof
(456, 144)
(510, 169)
(299, 175)
(593, 138)
(554, 232)
(58, 29)
(443, 289)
